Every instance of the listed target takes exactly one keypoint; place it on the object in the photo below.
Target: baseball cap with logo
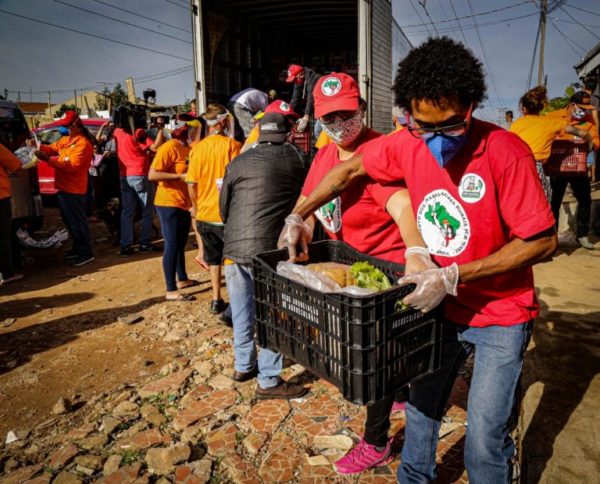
(582, 99)
(273, 128)
(293, 71)
(68, 118)
(282, 107)
(335, 92)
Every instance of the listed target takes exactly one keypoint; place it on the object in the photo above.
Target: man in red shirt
(482, 212)
(135, 188)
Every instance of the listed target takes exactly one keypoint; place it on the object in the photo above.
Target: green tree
(561, 102)
(119, 96)
(66, 107)
(186, 107)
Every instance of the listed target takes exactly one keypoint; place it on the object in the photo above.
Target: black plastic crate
(367, 346)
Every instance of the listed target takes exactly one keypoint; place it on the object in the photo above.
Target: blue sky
(44, 58)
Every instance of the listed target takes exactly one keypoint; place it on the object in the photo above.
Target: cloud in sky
(46, 58)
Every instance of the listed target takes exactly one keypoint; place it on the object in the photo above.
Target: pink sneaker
(398, 407)
(363, 457)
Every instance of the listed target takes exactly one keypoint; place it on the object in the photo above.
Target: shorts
(213, 240)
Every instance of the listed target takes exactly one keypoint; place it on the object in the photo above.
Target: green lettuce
(369, 277)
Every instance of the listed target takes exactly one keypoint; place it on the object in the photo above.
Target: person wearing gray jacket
(259, 189)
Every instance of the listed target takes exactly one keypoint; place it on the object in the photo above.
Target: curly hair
(534, 100)
(439, 68)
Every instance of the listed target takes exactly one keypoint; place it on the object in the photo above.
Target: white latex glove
(296, 232)
(302, 124)
(418, 259)
(432, 287)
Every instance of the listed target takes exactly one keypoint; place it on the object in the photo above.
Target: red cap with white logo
(282, 107)
(335, 92)
(293, 71)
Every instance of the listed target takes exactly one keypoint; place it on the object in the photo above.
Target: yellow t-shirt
(323, 140)
(172, 157)
(208, 161)
(251, 139)
(539, 132)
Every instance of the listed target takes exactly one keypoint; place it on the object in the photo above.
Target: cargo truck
(251, 43)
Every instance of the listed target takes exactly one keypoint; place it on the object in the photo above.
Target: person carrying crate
(483, 214)
(341, 113)
(578, 115)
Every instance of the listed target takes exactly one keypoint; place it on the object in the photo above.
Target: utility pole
(543, 14)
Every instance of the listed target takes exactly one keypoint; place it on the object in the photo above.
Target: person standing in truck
(483, 214)
(245, 104)
(304, 80)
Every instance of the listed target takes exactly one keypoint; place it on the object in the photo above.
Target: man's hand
(302, 124)
(432, 287)
(295, 233)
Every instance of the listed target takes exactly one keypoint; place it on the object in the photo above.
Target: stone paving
(191, 423)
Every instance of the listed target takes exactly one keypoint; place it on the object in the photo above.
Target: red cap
(68, 118)
(282, 107)
(140, 132)
(335, 92)
(293, 71)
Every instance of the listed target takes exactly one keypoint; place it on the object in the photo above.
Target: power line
(422, 3)
(141, 16)
(579, 23)
(466, 16)
(420, 18)
(175, 3)
(173, 56)
(483, 52)
(567, 40)
(583, 10)
(462, 32)
(571, 22)
(122, 21)
(535, 46)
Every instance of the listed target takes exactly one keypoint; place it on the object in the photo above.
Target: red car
(48, 133)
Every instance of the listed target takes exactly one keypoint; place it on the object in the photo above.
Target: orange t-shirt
(208, 161)
(251, 139)
(172, 157)
(539, 132)
(587, 124)
(75, 154)
(8, 162)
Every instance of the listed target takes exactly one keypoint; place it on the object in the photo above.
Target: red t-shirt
(133, 160)
(358, 216)
(488, 195)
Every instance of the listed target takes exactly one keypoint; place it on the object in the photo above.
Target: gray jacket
(259, 190)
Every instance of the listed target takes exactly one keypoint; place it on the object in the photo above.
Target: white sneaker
(585, 243)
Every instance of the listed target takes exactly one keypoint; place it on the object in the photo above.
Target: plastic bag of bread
(340, 273)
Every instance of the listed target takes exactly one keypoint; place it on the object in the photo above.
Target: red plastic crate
(302, 139)
(567, 157)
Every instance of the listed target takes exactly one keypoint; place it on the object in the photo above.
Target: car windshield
(49, 135)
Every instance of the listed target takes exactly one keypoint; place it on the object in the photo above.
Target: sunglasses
(455, 129)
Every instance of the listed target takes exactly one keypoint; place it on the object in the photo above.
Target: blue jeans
(488, 449)
(134, 190)
(72, 212)
(175, 224)
(241, 298)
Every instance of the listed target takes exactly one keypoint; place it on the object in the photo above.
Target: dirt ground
(67, 341)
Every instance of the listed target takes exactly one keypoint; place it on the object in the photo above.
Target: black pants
(72, 212)
(175, 224)
(378, 418)
(582, 192)
(6, 263)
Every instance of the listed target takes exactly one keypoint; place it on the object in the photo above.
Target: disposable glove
(432, 287)
(302, 123)
(296, 232)
(418, 259)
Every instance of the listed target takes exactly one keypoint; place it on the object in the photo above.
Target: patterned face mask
(344, 132)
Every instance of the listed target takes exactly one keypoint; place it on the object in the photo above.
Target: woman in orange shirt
(71, 156)
(540, 131)
(172, 203)
(8, 163)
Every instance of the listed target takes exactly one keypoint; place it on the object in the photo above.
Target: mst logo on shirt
(330, 215)
(444, 224)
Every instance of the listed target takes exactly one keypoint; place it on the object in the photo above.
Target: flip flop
(203, 265)
(187, 283)
(13, 278)
(181, 297)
